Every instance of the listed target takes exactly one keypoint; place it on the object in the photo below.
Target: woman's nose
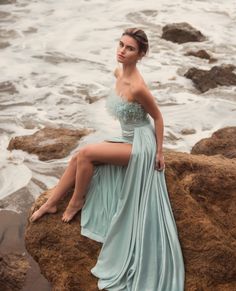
(122, 50)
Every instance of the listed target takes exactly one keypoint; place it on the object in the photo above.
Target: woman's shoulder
(117, 72)
(139, 89)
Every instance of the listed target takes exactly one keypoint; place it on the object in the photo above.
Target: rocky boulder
(209, 79)
(181, 32)
(203, 198)
(13, 269)
(48, 143)
(222, 142)
(202, 54)
(3, 2)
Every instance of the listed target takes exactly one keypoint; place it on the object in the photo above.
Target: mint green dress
(127, 209)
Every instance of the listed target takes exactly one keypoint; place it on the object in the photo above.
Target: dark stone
(208, 79)
(222, 142)
(48, 143)
(181, 32)
(203, 199)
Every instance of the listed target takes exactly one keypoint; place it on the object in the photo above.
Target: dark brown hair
(140, 36)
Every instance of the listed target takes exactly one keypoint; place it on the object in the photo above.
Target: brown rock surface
(203, 198)
(201, 54)
(223, 142)
(181, 32)
(216, 76)
(8, 87)
(48, 143)
(3, 2)
(13, 269)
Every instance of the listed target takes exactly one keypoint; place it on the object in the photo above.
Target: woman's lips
(121, 56)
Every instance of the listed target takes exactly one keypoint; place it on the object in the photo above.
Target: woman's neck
(129, 70)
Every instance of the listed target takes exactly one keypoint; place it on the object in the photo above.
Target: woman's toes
(41, 211)
(71, 211)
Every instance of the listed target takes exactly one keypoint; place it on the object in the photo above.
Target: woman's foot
(45, 208)
(71, 210)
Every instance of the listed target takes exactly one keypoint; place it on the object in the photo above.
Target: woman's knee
(85, 153)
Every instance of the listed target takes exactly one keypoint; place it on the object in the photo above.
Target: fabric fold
(128, 210)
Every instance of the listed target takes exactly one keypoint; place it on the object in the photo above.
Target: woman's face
(127, 50)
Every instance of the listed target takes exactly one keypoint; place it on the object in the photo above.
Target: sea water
(60, 53)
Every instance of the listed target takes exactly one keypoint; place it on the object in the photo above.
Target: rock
(223, 142)
(181, 32)
(201, 54)
(217, 76)
(187, 131)
(7, 87)
(3, 2)
(48, 143)
(64, 256)
(4, 45)
(203, 198)
(13, 269)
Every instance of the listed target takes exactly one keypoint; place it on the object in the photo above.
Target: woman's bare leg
(103, 153)
(65, 183)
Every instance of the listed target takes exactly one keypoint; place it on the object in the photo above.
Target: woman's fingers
(160, 165)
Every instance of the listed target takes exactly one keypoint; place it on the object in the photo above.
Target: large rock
(3, 2)
(48, 143)
(7, 87)
(202, 54)
(203, 197)
(209, 79)
(181, 32)
(223, 142)
(13, 269)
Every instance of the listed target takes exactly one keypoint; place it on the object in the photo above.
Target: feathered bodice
(125, 111)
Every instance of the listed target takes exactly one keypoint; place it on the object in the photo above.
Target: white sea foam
(61, 52)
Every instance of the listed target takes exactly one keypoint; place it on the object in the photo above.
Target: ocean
(57, 54)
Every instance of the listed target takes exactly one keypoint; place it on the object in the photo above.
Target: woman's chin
(119, 60)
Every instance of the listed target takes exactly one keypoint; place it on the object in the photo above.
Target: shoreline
(12, 229)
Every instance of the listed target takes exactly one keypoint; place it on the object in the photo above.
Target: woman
(126, 206)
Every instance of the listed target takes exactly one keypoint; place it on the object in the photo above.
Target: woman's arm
(143, 96)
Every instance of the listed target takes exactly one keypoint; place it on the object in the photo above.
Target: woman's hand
(159, 163)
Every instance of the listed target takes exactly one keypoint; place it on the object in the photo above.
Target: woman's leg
(79, 173)
(103, 153)
(59, 191)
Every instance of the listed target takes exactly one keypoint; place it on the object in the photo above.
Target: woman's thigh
(107, 153)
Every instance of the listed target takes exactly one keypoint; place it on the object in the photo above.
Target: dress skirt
(128, 209)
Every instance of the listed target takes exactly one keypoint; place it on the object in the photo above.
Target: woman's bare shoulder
(117, 72)
(139, 89)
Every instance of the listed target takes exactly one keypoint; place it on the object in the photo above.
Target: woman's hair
(140, 36)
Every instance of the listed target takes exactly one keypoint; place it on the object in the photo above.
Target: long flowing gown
(128, 209)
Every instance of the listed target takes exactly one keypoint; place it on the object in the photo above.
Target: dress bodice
(125, 111)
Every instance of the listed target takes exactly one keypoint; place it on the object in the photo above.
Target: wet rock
(3, 2)
(203, 198)
(208, 79)
(8, 34)
(187, 131)
(31, 30)
(64, 256)
(4, 45)
(222, 142)
(201, 54)
(7, 87)
(4, 14)
(48, 143)
(13, 269)
(181, 32)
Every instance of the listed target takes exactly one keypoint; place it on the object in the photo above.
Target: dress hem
(92, 235)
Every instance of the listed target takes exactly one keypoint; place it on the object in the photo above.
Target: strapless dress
(127, 208)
